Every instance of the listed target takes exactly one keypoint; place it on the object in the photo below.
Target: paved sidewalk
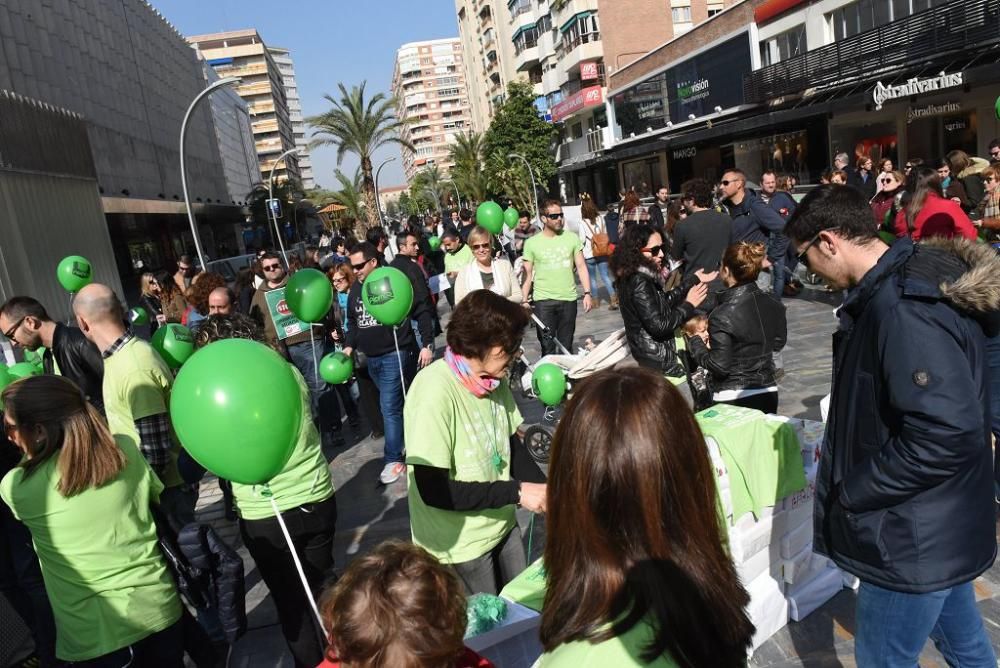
(370, 513)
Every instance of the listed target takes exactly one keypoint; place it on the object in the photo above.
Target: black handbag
(188, 578)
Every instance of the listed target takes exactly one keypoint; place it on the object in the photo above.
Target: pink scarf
(480, 387)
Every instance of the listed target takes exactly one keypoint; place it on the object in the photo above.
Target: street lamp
(458, 196)
(270, 197)
(378, 203)
(227, 81)
(534, 188)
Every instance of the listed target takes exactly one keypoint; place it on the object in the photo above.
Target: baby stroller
(612, 350)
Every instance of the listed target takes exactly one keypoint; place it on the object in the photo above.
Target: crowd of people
(637, 574)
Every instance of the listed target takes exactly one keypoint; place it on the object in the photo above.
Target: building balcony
(538, 89)
(584, 147)
(583, 48)
(519, 8)
(934, 36)
(526, 55)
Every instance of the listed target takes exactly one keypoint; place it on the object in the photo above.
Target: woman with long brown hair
(637, 575)
(85, 496)
(596, 250)
(172, 302)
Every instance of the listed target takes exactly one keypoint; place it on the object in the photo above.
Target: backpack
(599, 241)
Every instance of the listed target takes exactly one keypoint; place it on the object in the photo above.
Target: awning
(332, 208)
(576, 17)
(517, 33)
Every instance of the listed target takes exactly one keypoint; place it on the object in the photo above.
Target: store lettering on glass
(915, 86)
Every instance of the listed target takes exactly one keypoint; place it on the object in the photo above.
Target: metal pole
(534, 188)
(378, 203)
(227, 81)
(458, 195)
(270, 196)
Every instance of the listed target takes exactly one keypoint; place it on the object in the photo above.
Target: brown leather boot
(613, 306)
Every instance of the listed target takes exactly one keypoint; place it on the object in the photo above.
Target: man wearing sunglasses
(26, 324)
(376, 345)
(753, 220)
(423, 310)
(905, 492)
(995, 151)
(549, 260)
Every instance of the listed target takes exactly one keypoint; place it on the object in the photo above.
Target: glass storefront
(876, 139)
(642, 175)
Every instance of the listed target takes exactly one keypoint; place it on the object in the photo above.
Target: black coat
(904, 494)
(219, 570)
(866, 188)
(744, 330)
(79, 360)
(423, 308)
(651, 316)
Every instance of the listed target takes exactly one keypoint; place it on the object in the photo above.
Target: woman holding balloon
(286, 473)
(468, 471)
(486, 272)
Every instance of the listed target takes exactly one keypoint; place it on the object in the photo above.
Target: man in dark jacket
(658, 209)
(753, 220)
(422, 311)
(777, 248)
(26, 323)
(904, 493)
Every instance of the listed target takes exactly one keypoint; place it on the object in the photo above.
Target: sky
(331, 41)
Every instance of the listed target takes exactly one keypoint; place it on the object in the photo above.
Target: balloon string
(298, 564)
(399, 358)
(312, 347)
(69, 322)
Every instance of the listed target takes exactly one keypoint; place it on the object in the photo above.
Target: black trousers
(369, 400)
(560, 318)
(311, 527)
(765, 403)
(329, 408)
(164, 649)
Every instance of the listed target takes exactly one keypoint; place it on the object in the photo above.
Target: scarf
(459, 365)
(474, 279)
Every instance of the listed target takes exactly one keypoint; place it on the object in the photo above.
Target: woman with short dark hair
(636, 571)
(468, 471)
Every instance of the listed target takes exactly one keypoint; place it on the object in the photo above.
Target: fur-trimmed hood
(977, 165)
(973, 287)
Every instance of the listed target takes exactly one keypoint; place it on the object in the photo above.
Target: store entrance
(933, 137)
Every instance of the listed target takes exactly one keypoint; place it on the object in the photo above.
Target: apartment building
(286, 67)
(429, 83)
(243, 53)
(484, 26)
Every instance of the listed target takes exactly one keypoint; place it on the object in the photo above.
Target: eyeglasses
(271, 267)
(654, 250)
(339, 279)
(801, 257)
(13, 330)
(552, 216)
(476, 247)
(726, 182)
(360, 265)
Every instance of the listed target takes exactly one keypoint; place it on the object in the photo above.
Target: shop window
(874, 140)
(786, 45)
(641, 175)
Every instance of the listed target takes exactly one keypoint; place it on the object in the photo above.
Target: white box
(768, 608)
(795, 540)
(752, 538)
(765, 561)
(788, 520)
(804, 598)
(804, 566)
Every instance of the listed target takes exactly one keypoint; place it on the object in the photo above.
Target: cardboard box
(795, 540)
(766, 561)
(768, 609)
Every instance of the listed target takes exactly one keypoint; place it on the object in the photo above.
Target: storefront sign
(687, 152)
(690, 92)
(588, 71)
(882, 94)
(650, 109)
(582, 99)
(916, 113)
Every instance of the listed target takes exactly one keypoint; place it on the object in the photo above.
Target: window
(544, 24)
(863, 15)
(580, 30)
(786, 45)
(681, 14)
(713, 10)
(526, 38)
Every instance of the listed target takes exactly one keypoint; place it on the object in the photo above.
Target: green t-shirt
(455, 261)
(620, 651)
(448, 427)
(305, 478)
(103, 569)
(553, 260)
(136, 385)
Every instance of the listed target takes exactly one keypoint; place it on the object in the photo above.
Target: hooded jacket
(972, 180)
(651, 316)
(904, 493)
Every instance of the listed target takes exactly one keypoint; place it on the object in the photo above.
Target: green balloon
(23, 370)
(336, 368)
(138, 316)
(309, 295)
(74, 272)
(5, 378)
(236, 407)
(549, 383)
(996, 107)
(489, 216)
(511, 216)
(434, 242)
(174, 343)
(387, 295)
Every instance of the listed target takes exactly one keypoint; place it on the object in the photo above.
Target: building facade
(286, 66)
(243, 54)
(430, 88)
(130, 75)
(484, 26)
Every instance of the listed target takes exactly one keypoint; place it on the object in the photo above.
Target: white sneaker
(391, 472)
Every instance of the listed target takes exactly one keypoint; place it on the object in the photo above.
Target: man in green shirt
(549, 260)
(136, 395)
(457, 256)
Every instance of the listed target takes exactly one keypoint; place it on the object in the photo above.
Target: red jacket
(938, 217)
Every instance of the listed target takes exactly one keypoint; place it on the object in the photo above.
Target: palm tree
(432, 183)
(351, 195)
(468, 173)
(361, 126)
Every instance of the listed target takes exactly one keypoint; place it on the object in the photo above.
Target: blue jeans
(779, 276)
(302, 359)
(892, 627)
(384, 371)
(599, 266)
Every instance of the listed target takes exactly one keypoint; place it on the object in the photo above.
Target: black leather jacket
(79, 360)
(744, 329)
(651, 315)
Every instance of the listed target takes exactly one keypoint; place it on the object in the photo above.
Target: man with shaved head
(220, 301)
(136, 395)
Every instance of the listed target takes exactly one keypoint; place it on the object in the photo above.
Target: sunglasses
(995, 154)
(801, 257)
(339, 279)
(654, 250)
(360, 265)
(726, 183)
(13, 330)
(271, 267)
(553, 216)
(476, 247)
(886, 182)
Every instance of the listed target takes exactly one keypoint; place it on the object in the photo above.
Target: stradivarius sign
(882, 94)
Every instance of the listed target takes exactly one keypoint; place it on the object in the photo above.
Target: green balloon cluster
(309, 295)
(434, 242)
(388, 296)
(336, 368)
(236, 407)
(138, 316)
(174, 343)
(510, 217)
(549, 384)
(489, 216)
(23, 370)
(74, 272)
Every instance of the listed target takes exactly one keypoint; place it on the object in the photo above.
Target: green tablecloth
(763, 457)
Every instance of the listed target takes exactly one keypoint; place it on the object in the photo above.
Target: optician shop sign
(586, 97)
(882, 94)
